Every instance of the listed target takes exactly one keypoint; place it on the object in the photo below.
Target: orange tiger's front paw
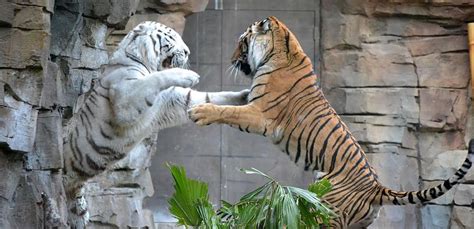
(204, 114)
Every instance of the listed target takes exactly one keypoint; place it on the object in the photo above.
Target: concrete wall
(396, 72)
(215, 153)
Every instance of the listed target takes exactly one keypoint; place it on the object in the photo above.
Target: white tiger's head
(153, 45)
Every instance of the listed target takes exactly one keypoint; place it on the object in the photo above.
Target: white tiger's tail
(422, 196)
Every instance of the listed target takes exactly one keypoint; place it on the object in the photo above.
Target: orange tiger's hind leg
(246, 118)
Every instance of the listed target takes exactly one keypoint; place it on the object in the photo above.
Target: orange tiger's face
(258, 43)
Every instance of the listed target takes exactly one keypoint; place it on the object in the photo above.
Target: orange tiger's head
(264, 42)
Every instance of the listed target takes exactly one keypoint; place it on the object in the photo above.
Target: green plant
(190, 196)
(269, 206)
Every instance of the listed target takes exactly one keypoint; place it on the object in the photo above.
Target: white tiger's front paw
(244, 96)
(184, 77)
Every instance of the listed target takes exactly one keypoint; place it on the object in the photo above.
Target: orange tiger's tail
(402, 198)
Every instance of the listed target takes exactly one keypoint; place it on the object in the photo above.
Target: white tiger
(141, 90)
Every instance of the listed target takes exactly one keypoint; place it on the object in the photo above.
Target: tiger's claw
(204, 114)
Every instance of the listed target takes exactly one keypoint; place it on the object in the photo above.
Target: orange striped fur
(287, 106)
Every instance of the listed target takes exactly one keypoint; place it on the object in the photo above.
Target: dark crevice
(361, 114)
(127, 185)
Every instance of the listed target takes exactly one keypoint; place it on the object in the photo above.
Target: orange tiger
(286, 105)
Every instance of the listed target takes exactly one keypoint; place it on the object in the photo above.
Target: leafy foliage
(269, 206)
(190, 198)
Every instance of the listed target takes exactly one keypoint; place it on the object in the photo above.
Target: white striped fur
(143, 89)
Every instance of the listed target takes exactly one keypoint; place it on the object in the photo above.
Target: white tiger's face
(174, 52)
(153, 45)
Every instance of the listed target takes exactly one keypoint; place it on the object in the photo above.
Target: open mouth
(244, 67)
(175, 61)
(168, 62)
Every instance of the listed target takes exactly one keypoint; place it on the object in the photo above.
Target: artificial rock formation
(50, 55)
(398, 73)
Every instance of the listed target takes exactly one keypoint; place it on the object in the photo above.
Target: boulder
(444, 109)
(119, 208)
(419, 10)
(22, 85)
(65, 38)
(346, 31)
(464, 194)
(408, 27)
(48, 147)
(20, 49)
(18, 125)
(378, 101)
(185, 6)
(10, 168)
(6, 13)
(396, 217)
(375, 65)
(174, 20)
(431, 144)
(32, 18)
(450, 70)
(443, 165)
(94, 33)
(92, 58)
(47, 4)
(435, 216)
(395, 171)
(441, 44)
(461, 218)
(26, 208)
(52, 91)
(114, 13)
(375, 134)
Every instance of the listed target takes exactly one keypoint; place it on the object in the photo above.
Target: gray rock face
(185, 6)
(462, 217)
(50, 52)
(398, 73)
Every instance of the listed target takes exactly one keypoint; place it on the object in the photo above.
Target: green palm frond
(269, 206)
(189, 195)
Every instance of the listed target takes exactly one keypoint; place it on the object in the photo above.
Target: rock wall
(50, 55)
(30, 117)
(398, 73)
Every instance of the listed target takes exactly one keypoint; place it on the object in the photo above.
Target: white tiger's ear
(141, 49)
(140, 30)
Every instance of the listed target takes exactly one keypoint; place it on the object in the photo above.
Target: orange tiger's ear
(266, 24)
(263, 26)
